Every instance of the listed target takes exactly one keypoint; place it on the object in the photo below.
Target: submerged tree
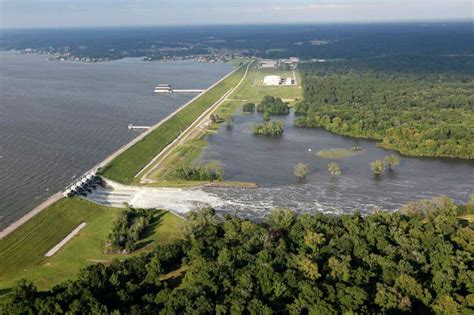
(266, 116)
(377, 166)
(248, 108)
(301, 170)
(334, 169)
(229, 121)
(392, 161)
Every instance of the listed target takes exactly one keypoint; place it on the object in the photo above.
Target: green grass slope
(22, 252)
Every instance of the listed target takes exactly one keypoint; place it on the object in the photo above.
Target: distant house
(268, 63)
(290, 63)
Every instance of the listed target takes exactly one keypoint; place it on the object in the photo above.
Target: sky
(80, 13)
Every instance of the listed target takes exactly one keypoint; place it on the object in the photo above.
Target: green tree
(392, 161)
(377, 166)
(266, 116)
(229, 121)
(281, 218)
(301, 170)
(334, 169)
(248, 107)
(269, 128)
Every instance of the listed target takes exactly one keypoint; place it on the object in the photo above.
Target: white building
(289, 81)
(268, 63)
(272, 80)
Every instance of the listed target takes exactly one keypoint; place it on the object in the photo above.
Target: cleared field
(252, 89)
(22, 252)
(123, 168)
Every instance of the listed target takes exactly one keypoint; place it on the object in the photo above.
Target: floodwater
(58, 119)
(269, 161)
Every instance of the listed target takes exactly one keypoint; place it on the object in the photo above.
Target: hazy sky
(59, 13)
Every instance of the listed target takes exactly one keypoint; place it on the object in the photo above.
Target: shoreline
(58, 195)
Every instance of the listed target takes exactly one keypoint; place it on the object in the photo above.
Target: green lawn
(129, 163)
(22, 252)
(252, 89)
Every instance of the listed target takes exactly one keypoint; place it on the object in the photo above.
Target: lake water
(58, 119)
(269, 161)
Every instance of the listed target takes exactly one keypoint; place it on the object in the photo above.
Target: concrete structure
(267, 64)
(56, 248)
(131, 126)
(166, 88)
(163, 88)
(288, 81)
(272, 80)
(277, 80)
(290, 63)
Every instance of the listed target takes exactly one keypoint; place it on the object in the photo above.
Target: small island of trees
(269, 128)
(273, 106)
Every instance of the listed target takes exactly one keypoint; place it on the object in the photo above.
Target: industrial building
(277, 80)
(267, 64)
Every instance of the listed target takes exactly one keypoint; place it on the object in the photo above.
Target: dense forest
(418, 106)
(267, 41)
(418, 260)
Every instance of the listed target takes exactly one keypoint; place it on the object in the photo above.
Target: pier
(189, 91)
(131, 126)
(166, 88)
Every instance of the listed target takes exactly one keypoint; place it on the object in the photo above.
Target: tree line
(417, 260)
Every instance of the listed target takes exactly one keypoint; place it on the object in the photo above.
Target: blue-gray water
(269, 161)
(58, 119)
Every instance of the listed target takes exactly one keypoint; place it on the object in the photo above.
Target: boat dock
(166, 88)
(131, 126)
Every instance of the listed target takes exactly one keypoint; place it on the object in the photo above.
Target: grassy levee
(22, 251)
(27, 245)
(123, 168)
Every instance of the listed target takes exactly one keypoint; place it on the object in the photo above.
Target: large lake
(269, 161)
(58, 119)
